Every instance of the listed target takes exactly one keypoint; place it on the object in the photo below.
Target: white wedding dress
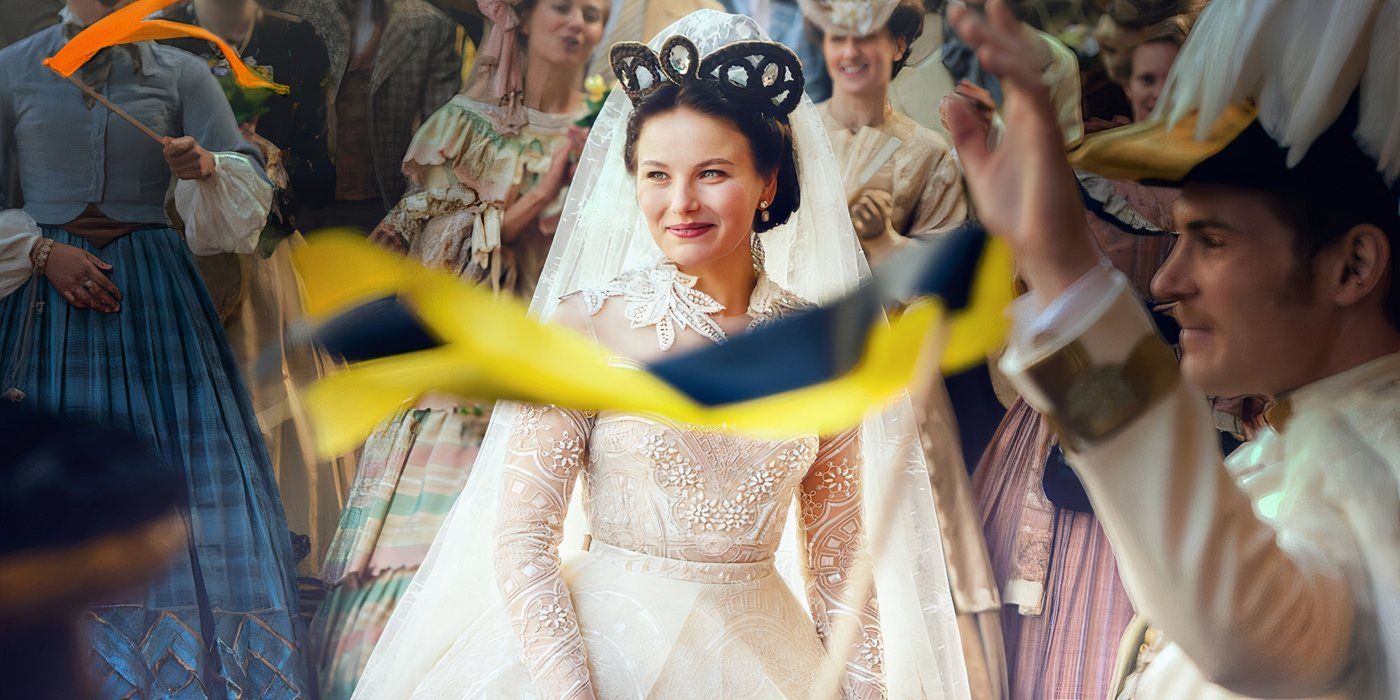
(636, 558)
(677, 594)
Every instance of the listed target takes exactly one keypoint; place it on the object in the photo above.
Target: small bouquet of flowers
(248, 103)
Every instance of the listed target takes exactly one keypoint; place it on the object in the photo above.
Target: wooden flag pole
(115, 109)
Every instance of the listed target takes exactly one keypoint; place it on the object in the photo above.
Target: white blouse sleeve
(225, 212)
(18, 234)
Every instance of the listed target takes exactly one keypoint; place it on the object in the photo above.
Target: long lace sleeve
(546, 453)
(833, 523)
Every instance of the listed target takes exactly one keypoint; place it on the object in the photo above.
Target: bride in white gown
(713, 206)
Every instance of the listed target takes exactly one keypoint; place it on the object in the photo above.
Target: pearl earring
(763, 211)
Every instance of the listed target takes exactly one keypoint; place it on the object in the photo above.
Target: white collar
(1340, 387)
(661, 295)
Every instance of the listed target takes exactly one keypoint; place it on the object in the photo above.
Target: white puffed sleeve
(225, 212)
(18, 234)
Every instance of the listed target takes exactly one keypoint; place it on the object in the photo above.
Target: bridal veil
(814, 255)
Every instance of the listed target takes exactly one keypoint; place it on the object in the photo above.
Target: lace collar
(661, 295)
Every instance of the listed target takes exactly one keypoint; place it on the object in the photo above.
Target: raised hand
(1024, 188)
(80, 277)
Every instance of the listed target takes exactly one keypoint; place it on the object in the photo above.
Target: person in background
(330, 20)
(1138, 42)
(292, 128)
(392, 62)
(1065, 606)
(489, 174)
(103, 316)
(1060, 73)
(901, 180)
(257, 293)
(939, 63)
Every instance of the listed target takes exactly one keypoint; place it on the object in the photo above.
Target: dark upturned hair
(906, 22)
(770, 138)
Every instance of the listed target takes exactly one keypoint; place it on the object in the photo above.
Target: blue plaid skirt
(222, 623)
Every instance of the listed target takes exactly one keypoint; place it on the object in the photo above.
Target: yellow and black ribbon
(405, 331)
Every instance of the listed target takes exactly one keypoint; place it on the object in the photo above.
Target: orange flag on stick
(129, 24)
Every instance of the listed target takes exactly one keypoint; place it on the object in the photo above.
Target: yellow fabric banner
(492, 349)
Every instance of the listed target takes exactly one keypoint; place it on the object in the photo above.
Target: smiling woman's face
(860, 65)
(698, 186)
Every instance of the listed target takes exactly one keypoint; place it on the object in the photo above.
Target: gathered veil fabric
(451, 633)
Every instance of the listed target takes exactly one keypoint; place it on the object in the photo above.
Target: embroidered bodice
(701, 496)
(678, 494)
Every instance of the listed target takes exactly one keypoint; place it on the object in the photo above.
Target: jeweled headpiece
(763, 75)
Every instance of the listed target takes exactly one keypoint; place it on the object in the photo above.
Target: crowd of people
(1180, 478)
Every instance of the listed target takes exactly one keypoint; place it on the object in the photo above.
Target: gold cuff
(1089, 401)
